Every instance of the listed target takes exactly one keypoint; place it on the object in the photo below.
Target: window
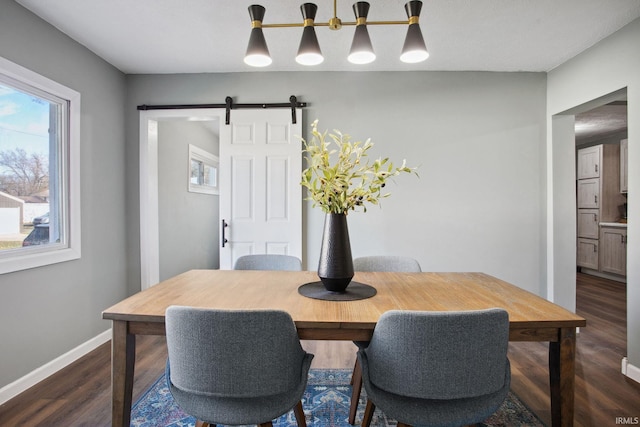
(39, 170)
(203, 171)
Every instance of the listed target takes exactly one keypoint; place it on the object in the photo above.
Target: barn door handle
(224, 239)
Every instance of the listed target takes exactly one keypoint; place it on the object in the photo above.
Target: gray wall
(607, 67)
(47, 311)
(188, 221)
(478, 139)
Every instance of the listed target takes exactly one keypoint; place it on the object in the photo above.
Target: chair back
(233, 353)
(268, 262)
(387, 263)
(440, 355)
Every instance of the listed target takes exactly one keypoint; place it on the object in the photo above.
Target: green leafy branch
(352, 181)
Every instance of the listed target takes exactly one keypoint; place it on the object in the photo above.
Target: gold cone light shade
(309, 52)
(257, 51)
(361, 51)
(414, 49)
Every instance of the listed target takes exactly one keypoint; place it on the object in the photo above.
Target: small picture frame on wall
(203, 171)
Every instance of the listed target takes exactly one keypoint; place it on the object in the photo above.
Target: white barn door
(260, 192)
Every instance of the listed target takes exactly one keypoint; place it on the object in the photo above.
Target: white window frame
(207, 159)
(22, 259)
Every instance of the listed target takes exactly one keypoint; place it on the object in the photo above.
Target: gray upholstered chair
(387, 263)
(235, 367)
(268, 262)
(437, 368)
(390, 263)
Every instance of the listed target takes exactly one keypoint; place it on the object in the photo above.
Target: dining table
(531, 317)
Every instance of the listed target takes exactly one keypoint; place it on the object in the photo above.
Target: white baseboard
(34, 377)
(630, 371)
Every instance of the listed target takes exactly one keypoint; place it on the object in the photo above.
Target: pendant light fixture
(309, 52)
(414, 49)
(257, 50)
(361, 52)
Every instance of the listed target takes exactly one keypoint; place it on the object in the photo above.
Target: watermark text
(627, 420)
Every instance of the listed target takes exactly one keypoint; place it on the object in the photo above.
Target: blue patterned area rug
(325, 403)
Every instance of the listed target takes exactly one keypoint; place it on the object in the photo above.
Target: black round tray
(355, 291)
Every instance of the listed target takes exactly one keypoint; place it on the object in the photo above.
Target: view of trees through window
(28, 130)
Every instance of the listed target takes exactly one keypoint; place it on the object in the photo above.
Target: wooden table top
(234, 289)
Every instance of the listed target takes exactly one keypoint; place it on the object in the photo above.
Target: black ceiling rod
(145, 107)
(230, 105)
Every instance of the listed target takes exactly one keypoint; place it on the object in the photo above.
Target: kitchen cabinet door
(588, 226)
(588, 253)
(589, 193)
(613, 250)
(589, 162)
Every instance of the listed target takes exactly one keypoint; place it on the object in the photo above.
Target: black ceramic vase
(335, 268)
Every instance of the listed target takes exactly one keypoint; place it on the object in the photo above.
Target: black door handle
(224, 239)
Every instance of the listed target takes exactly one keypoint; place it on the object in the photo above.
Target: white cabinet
(588, 193)
(624, 174)
(600, 192)
(588, 221)
(598, 199)
(613, 250)
(588, 253)
(589, 160)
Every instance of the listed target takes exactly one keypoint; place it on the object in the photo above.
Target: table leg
(123, 356)
(356, 380)
(562, 359)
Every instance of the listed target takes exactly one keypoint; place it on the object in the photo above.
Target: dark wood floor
(79, 395)
(602, 392)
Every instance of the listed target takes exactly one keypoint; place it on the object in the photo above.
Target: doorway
(588, 125)
(282, 175)
(562, 201)
(150, 127)
(601, 144)
(187, 206)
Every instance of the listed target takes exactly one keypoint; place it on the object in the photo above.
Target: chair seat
(437, 369)
(437, 413)
(237, 411)
(235, 367)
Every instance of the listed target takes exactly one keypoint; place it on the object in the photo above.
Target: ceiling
(601, 122)
(195, 36)
(210, 36)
